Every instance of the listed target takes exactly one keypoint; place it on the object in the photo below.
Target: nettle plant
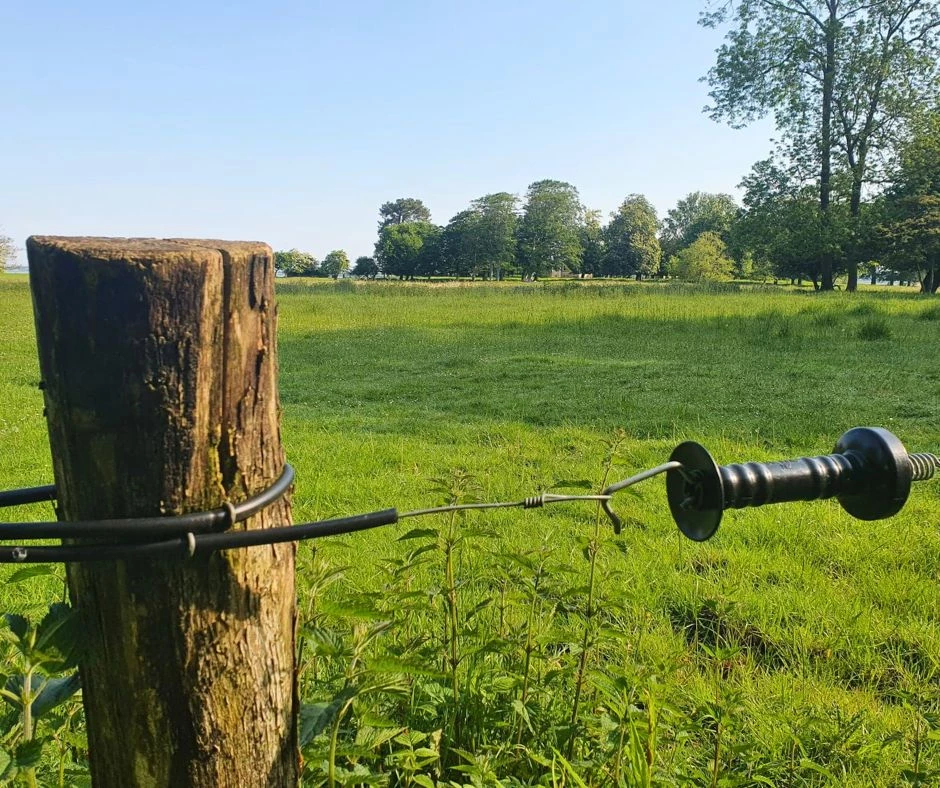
(473, 663)
(41, 731)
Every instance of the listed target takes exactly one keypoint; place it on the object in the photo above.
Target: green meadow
(797, 647)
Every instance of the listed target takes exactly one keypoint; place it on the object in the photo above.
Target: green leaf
(58, 638)
(569, 770)
(27, 572)
(18, 625)
(316, 717)
(325, 642)
(419, 533)
(28, 753)
(519, 707)
(6, 760)
(389, 664)
(352, 609)
(14, 684)
(423, 780)
(56, 691)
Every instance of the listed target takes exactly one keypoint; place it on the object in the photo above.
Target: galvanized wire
(151, 537)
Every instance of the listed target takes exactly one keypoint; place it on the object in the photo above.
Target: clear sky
(291, 122)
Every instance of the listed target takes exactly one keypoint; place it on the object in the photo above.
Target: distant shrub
(874, 329)
(703, 261)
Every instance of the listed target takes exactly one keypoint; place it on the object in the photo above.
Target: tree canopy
(632, 248)
(335, 263)
(910, 231)
(398, 251)
(402, 210)
(296, 263)
(703, 260)
(838, 77)
(694, 214)
(365, 267)
(549, 232)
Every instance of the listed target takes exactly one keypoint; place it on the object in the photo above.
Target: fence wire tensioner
(869, 472)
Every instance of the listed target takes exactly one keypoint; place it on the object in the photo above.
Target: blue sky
(291, 122)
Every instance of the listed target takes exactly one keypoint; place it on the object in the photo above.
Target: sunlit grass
(819, 634)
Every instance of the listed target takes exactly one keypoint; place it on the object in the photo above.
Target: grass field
(798, 647)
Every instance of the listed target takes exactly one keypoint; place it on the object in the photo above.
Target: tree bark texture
(159, 364)
(825, 175)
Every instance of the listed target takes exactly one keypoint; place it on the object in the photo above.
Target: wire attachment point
(231, 516)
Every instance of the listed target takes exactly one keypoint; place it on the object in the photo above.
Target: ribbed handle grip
(805, 479)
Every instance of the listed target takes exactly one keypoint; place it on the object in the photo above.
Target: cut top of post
(141, 249)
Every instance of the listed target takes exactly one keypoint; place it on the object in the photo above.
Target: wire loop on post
(202, 533)
(144, 528)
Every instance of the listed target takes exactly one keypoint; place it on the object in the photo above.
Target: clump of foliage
(335, 264)
(296, 263)
(41, 737)
(365, 268)
(704, 260)
(874, 329)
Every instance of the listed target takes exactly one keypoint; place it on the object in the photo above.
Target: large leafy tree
(836, 74)
(910, 230)
(335, 263)
(462, 250)
(296, 263)
(780, 227)
(431, 255)
(402, 210)
(632, 246)
(694, 214)
(593, 244)
(365, 267)
(398, 251)
(496, 232)
(549, 232)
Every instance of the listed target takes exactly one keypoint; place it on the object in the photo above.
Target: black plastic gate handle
(869, 472)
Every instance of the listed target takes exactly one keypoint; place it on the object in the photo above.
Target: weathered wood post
(160, 371)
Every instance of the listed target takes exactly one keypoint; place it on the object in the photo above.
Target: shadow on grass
(726, 374)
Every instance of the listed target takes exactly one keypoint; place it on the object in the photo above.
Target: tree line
(852, 186)
(776, 232)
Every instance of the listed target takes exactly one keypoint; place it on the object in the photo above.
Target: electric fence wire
(202, 533)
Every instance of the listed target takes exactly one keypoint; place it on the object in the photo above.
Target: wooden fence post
(160, 371)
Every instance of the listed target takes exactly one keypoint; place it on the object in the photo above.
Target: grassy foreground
(798, 647)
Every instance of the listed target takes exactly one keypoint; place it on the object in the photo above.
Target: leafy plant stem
(593, 548)
(529, 648)
(26, 699)
(452, 633)
(717, 754)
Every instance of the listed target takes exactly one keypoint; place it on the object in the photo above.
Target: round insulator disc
(695, 493)
(884, 481)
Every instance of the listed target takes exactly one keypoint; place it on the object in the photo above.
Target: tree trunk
(855, 210)
(160, 370)
(825, 175)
